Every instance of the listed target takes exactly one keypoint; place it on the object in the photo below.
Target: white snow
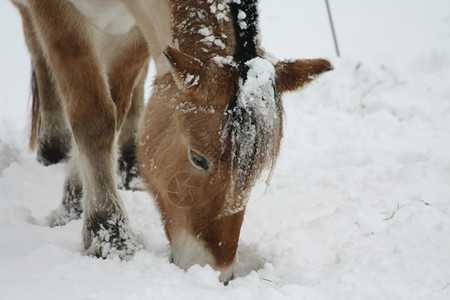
(191, 80)
(210, 38)
(205, 31)
(359, 204)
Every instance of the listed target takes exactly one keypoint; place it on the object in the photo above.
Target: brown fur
(189, 112)
(293, 75)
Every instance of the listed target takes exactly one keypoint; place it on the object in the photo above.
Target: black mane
(245, 31)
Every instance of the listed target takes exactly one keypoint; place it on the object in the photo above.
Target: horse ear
(186, 70)
(291, 75)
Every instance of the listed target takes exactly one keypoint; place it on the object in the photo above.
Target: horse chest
(110, 17)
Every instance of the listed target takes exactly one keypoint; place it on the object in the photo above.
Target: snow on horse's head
(214, 122)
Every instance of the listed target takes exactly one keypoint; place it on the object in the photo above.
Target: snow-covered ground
(359, 205)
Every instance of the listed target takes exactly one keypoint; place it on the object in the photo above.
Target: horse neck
(202, 28)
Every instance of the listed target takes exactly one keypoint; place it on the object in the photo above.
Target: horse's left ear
(186, 70)
(291, 75)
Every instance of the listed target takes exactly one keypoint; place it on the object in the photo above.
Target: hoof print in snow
(63, 215)
(70, 209)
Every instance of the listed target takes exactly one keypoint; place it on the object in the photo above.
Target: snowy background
(359, 205)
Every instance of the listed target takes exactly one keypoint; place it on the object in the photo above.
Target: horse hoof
(130, 180)
(109, 238)
(123, 249)
(51, 152)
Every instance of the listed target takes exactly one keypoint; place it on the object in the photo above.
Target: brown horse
(213, 123)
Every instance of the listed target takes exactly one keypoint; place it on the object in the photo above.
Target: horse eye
(198, 161)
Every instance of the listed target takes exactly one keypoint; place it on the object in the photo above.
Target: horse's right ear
(186, 70)
(291, 75)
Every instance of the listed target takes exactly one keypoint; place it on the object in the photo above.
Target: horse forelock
(252, 132)
(253, 121)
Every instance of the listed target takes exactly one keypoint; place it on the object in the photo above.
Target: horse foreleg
(127, 73)
(92, 115)
(128, 166)
(70, 208)
(48, 129)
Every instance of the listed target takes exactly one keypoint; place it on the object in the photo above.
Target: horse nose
(187, 250)
(226, 275)
(225, 282)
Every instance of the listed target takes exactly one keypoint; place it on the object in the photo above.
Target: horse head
(213, 124)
